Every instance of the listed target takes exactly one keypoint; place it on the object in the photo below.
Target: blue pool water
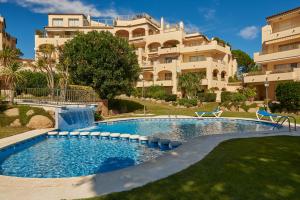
(70, 157)
(180, 129)
(56, 157)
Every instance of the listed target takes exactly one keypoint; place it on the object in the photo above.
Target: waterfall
(71, 118)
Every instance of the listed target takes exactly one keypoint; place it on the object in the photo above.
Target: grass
(5, 121)
(8, 131)
(248, 169)
(165, 109)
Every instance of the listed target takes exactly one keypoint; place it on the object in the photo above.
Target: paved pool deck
(13, 188)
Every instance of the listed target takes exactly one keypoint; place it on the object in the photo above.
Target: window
(57, 22)
(168, 76)
(287, 47)
(73, 22)
(197, 58)
(170, 59)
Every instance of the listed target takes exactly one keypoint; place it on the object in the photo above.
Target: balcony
(166, 83)
(213, 46)
(146, 83)
(57, 40)
(168, 50)
(166, 66)
(195, 65)
(275, 75)
(262, 58)
(280, 34)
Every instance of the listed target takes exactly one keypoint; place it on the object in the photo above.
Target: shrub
(171, 97)
(249, 93)
(98, 116)
(187, 102)
(207, 97)
(3, 104)
(288, 94)
(124, 106)
(238, 97)
(156, 92)
(226, 96)
(275, 107)
(33, 80)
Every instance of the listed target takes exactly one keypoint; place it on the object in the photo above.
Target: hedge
(207, 97)
(226, 96)
(188, 102)
(288, 94)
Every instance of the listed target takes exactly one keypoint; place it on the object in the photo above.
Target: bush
(156, 92)
(207, 97)
(98, 116)
(288, 94)
(137, 92)
(32, 80)
(170, 97)
(124, 106)
(249, 93)
(187, 102)
(238, 97)
(226, 96)
(275, 107)
(3, 104)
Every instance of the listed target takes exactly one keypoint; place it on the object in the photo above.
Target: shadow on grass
(252, 169)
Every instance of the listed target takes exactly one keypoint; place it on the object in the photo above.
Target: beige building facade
(6, 40)
(280, 55)
(164, 51)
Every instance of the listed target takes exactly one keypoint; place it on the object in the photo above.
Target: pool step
(154, 142)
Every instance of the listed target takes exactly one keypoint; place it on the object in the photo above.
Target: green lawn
(239, 169)
(164, 109)
(5, 121)
(9, 131)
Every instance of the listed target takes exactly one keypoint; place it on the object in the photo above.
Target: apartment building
(280, 55)
(5, 38)
(164, 51)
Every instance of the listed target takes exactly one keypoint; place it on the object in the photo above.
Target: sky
(235, 21)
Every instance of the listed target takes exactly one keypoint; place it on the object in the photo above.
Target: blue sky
(238, 22)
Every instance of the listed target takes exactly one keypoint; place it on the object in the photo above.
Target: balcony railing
(256, 73)
(55, 96)
(278, 71)
(278, 51)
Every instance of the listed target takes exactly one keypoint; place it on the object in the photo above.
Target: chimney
(162, 23)
(181, 25)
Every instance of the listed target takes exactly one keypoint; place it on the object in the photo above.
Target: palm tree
(190, 83)
(47, 63)
(9, 55)
(11, 74)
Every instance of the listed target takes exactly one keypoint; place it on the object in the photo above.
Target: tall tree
(190, 83)
(102, 61)
(12, 75)
(46, 63)
(245, 62)
(9, 55)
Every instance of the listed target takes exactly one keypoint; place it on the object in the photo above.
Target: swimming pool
(181, 129)
(66, 156)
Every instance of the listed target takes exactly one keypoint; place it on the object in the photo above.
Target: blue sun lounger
(216, 112)
(262, 113)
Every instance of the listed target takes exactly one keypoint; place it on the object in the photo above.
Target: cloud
(3, 1)
(208, 13)
(249, 32)
(64, 6)
(191, 28)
